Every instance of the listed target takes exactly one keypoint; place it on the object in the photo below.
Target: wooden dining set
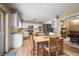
(46, 45)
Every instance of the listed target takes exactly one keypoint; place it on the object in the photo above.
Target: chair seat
(47, 48)
(40, 46)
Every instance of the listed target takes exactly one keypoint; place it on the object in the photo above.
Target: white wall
(25, 24)
(48, 22)
(7, 33)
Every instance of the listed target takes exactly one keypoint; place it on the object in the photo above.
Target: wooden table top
(40, 39)
(44, 38)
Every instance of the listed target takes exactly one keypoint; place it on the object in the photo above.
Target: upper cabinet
(15, 20)
(18, 22)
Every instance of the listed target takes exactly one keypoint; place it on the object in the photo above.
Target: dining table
(41, 39)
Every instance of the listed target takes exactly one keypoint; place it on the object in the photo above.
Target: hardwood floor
(25, 50)
(70, 50)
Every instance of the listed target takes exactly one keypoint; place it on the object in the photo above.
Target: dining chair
(32, 45)
(52, 46)
(33, 50)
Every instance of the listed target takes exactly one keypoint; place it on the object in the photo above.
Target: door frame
(6, 27)
(2, 33)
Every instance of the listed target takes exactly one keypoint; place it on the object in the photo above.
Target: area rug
(10, 53)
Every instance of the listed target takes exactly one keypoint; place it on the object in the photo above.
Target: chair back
(53, 42)
(32, 45)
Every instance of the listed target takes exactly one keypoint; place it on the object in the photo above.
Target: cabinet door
(13, 20)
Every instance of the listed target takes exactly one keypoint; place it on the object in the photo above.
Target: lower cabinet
(16, 40)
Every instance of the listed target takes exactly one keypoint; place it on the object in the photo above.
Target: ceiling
(40, 12)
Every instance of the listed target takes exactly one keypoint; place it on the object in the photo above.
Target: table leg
(37, 47)
(61, 46)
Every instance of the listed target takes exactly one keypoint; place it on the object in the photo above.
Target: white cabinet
(15, 20)
(16, 40)
(25, 34)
